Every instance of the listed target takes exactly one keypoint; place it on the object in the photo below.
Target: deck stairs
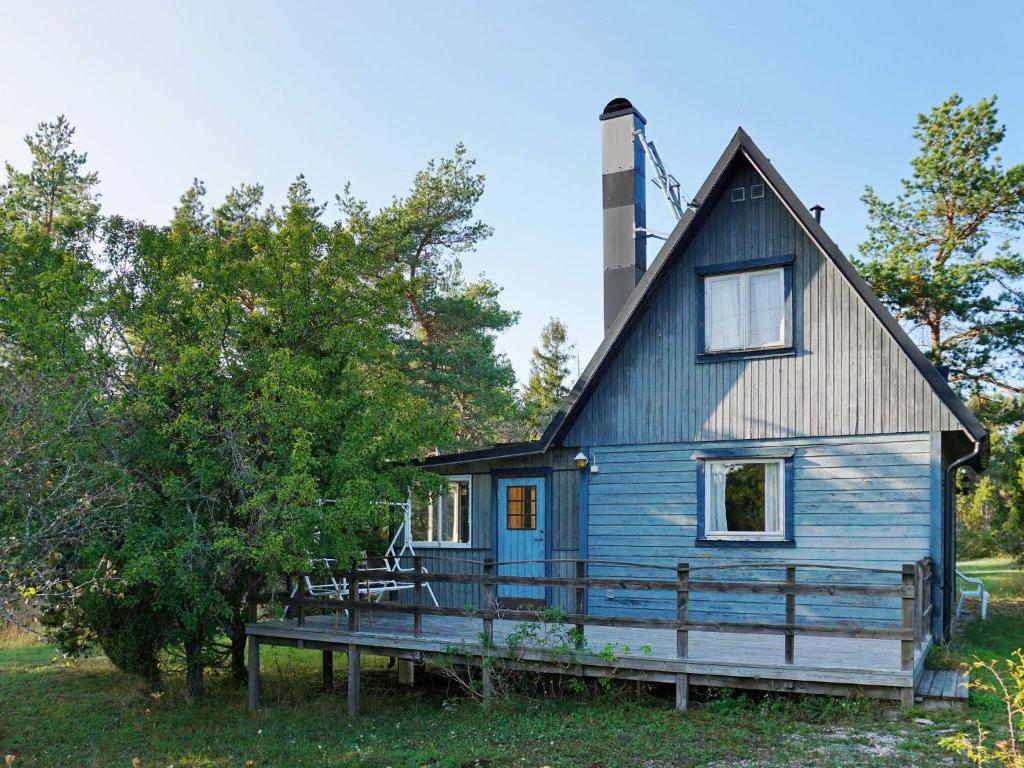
(943, 688)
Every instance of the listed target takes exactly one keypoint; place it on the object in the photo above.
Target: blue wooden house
(749, 486)
(752, 401)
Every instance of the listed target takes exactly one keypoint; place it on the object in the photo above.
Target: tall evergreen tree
(941, 255)
(548, 385)
(447, 337)
(59, 478)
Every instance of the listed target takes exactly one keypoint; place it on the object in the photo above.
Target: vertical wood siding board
(906, 406)
(903, 404)
(820, 352)
(826, 348)
(853, 344)
(834, 301)
(667, 371)
(871, 387)
(842, 357)
(860, 340)
(885, 384)
(681, 351)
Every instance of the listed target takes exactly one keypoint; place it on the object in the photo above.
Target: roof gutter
(949, 544)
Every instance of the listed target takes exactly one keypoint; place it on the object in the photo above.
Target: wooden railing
(913, 589)
(911, 585)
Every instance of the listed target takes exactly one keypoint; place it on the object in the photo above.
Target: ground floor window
(744, 499)
(444, 519)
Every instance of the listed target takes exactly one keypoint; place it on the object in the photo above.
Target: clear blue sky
(368, 92)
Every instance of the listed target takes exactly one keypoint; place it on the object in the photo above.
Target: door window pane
(521, 507)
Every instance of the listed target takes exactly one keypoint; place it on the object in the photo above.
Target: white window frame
(745, 535)
(432, 517)
(744, 278)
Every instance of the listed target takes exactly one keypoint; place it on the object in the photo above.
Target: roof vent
(816, 210)
(756, 191)
(739, 194)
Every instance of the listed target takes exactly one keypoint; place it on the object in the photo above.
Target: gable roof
(742, 146)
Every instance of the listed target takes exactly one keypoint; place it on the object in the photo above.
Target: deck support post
(790, 612)
(406, 672)
(353, 681)
(581, 602)
(682, 635)
(486, 659)
(254, 672)
(328, 670)
(907, 643)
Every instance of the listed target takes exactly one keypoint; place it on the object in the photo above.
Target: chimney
(623, 196)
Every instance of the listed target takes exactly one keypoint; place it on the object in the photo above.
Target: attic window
(756, 191)
(746, 311)
(739, 194)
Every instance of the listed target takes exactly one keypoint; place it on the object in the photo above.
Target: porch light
(581, 460)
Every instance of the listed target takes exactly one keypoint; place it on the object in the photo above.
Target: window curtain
(724, 309)
(765, 314)
(716, 521)
(772, 498)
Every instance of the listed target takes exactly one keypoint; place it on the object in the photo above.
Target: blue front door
(521, 517)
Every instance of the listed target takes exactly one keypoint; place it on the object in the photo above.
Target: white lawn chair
(977, 589)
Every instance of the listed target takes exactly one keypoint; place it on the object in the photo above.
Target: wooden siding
(848, 376)
(858, 501)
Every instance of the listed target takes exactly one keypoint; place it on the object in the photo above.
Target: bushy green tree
(941, 254)
(548, 384)
(232, 394)
(259, 381)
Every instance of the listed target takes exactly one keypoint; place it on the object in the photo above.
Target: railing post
(581, 601)
(790, 613)
(486, 659)
(254, 672)
(300, 594)
(682, 635)
(907, 643)
(353, 596)
(417, 616)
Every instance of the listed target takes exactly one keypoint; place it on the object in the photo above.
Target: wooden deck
(840, 658)
(832, 665)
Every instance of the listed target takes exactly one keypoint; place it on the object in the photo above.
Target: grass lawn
(89, 714)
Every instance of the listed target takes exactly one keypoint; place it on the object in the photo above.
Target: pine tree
(941, 255)
(549, 375)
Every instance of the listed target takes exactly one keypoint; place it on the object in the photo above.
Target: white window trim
(430, 507)
(744, 535)
(744, 277)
